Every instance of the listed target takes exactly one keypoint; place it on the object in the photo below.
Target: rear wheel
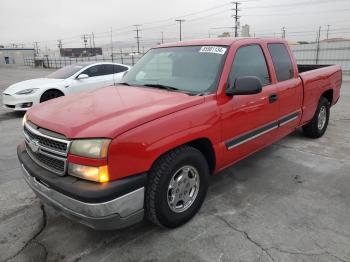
(318, 125)
(177, 186)
(50, 94)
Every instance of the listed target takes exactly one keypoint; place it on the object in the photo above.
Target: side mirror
(245, 85)
(82, 76)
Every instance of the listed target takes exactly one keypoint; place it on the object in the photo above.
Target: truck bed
(316, 80)
(304, 68)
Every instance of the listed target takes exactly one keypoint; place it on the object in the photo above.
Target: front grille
(47, 151)
(46, 142)
(48, 162)
(10, 106)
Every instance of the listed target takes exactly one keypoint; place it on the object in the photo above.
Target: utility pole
(36, 48)
(59, 45)
(180, 22)
(318, 45)
(162, 37)
(93, 42)
(328, 26)
(90, 44)
(84, 37)
(283, 33)
(112, 44)
(137, 30)
(121, 55)
(236, 16)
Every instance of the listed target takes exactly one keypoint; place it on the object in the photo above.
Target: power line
(180, 23)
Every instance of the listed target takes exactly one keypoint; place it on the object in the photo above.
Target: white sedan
(67, 80)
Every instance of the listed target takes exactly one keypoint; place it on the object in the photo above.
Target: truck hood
(33, 83)
(109, 111)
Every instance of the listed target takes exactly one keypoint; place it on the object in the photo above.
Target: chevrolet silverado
(185, 111)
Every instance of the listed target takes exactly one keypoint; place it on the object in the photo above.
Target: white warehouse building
(15, 55)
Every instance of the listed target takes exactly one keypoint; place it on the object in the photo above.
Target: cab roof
(224, 41)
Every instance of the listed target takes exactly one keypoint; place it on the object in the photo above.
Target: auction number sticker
(213, 50)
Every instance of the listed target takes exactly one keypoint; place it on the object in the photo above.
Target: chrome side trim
(250, 135)
(125, 205)
(253, 137)
(290, 120)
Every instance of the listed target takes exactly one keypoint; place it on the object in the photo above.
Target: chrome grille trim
(53, 170)
(52, 150)
(43, 151)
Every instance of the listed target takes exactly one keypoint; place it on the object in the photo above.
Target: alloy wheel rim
(322, 117)
(183, 189)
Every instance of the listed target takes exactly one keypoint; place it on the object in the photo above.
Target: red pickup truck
(185, 111)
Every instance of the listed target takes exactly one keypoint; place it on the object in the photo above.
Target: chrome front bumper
(116, 213)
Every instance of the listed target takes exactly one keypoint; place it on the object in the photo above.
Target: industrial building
(15, 55)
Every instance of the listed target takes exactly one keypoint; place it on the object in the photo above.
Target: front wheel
(50, 94)
(318, 125)
(177, 186)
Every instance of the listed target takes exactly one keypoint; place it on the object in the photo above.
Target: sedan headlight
(93, 148)
(24, 120)
(27, 91)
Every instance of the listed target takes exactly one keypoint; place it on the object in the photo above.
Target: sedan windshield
(190, 69)
(65, 72)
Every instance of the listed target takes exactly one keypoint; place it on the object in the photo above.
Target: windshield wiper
(125, 84)
(162, 87)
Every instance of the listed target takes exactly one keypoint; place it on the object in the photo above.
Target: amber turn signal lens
(92, 173)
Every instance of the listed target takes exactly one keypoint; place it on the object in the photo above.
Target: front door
(96, 79)
(251, 120)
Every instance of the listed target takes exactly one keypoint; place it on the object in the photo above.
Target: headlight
(97, 174)
(93, 148)
(27, 91)
(24, 120)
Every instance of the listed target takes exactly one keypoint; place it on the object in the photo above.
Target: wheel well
(206, 148)
(328, 95)
(52, 89)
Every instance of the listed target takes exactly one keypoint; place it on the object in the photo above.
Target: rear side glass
(281, 61)
(119, 68)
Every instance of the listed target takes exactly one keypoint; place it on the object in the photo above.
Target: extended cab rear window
(281, 61)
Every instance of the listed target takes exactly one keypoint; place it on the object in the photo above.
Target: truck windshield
(65, 72)
(190, 69)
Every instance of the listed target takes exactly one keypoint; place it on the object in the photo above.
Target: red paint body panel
(146, 123)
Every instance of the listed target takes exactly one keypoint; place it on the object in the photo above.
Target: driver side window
(250, 61)
(93, 71)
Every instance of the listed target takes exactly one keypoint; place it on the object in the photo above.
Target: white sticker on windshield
(213, 49)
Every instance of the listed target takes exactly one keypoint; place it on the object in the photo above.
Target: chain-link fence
(322, 53)
(327, 53)
(52, 62)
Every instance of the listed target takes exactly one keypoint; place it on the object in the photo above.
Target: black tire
(50, 94)
(313, 129)
(158, 209)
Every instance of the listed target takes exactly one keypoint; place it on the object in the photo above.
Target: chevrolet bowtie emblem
(34, 145)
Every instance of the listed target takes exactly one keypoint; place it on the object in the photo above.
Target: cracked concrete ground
(289, 202)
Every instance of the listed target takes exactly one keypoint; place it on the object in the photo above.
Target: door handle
(273, 98)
